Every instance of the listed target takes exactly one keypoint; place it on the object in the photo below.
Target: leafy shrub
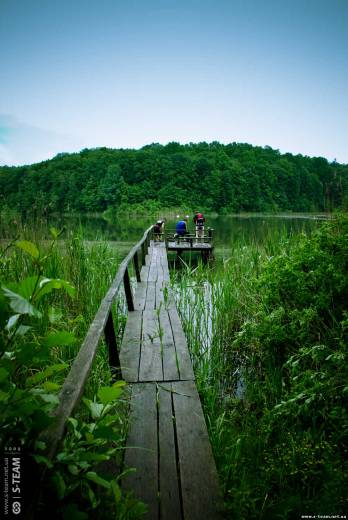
(293, 419)
(33, 365)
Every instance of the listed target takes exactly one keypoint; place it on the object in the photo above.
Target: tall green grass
(91, 437)
(261, 327)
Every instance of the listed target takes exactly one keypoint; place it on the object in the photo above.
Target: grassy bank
(268, 337)
(50, 292)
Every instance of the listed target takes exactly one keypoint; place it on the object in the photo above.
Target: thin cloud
(21, 143)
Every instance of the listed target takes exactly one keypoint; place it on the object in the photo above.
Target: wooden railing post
(110, 339)
(136, 266)
(128, 291)
(143, 254)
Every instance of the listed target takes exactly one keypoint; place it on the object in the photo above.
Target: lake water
(227, 229)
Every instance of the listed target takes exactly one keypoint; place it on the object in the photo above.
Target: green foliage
(273, 373)
(296, 392)
(222, 178)
(36, 348)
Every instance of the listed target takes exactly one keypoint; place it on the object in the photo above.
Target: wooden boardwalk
(168, 441)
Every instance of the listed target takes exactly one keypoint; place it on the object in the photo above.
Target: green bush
(40, 328)
(295, 350)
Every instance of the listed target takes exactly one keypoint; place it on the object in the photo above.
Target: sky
(80, 74)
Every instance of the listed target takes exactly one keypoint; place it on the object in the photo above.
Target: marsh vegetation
(267, 330)
(268, 335)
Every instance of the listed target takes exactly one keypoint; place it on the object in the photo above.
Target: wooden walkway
(168, 442)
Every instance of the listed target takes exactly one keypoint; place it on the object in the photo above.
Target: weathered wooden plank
(199, 480)
(131, 346)
(140, 296)
(153, 269)
(150, 368)
(144, 272)
(161, 256)
(182, 352)
(164, 295)
(159, 295)
(150, 301)
(164, 262)
(141, 451)
(169, 356)
(170, 508)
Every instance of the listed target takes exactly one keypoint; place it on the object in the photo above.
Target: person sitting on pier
(158, 230)
(199, 220)
(181, 228)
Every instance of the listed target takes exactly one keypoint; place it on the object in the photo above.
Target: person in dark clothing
(181, 227)
(158, 230)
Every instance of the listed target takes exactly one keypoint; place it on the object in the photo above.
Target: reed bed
(261, 326)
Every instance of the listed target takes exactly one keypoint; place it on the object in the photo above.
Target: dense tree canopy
(224, 178)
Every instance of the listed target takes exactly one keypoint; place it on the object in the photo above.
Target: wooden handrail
(74, 383)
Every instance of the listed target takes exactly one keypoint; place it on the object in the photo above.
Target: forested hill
(224, 178)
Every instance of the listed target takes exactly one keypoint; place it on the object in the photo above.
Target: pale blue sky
(84, 73)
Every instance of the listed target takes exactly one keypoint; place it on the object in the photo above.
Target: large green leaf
(22, 330)
(12, 321)
(27, 286)
(29, 248)
(116, 491)
(107, 394)
(19, 304)
(92, 475)
(47, 285)
(96, 409)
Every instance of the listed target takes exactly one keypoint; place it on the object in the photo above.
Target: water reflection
(227, 229)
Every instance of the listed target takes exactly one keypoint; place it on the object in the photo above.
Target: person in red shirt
(199, 220)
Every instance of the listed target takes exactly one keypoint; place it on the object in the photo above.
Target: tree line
(224, 178)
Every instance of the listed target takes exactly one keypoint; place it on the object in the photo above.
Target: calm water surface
(227, 229)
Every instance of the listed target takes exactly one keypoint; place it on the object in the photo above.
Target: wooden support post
(110, 339)
(136, 266)
(128, 291)
(143, 254)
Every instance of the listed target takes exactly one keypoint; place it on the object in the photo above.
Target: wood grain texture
(182, 352)
(140, 296)
(141, 451)
(151, 353)
(199, 481)
(150, 302)
(170, 508)
(131, 347)
(170, 361)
